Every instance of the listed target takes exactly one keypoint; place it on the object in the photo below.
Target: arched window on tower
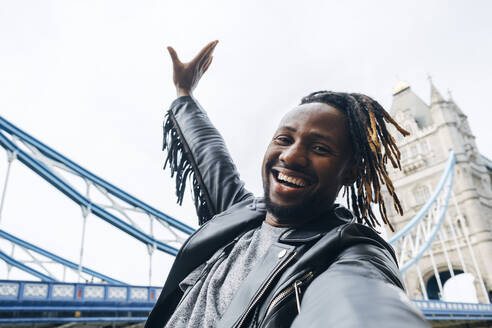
(433, 289)
(421, 194)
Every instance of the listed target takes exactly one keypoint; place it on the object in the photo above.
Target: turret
(407, 102)
(435, 97)
(442, 111)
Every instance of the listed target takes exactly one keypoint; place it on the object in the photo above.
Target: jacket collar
(247, 215)
(241, 217)
(315, 230)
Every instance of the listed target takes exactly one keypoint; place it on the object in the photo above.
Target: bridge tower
(466, 244)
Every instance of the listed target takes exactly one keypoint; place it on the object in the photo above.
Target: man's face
(307, 162)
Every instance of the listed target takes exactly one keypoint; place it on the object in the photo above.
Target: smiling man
(292, 258)
(306, 163)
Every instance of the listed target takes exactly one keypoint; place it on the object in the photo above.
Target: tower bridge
(445, 235)
(463, 245)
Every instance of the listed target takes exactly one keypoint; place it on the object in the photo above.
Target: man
(292, 258)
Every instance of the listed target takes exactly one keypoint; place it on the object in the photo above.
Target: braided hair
(372, 146)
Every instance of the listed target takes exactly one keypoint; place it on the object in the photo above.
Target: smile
(289, 180)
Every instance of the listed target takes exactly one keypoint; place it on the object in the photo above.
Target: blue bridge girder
(51, 153)
(51, 256)
(42, 170)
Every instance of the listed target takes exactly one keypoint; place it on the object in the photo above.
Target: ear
(351, 173)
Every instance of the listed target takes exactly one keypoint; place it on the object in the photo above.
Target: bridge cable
(11, 155)
(470, 249)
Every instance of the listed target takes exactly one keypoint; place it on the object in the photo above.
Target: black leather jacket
(329, 273)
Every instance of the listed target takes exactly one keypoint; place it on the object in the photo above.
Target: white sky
(92, 79)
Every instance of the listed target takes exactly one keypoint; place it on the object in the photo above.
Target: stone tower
(435, 129)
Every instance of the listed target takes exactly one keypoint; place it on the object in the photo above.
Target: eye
(321, 149)
(282, 140)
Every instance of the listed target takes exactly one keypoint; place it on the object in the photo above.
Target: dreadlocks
(372, 146)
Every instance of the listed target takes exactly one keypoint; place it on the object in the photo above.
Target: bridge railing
(438, 310)
(53, 302)
(14, 290)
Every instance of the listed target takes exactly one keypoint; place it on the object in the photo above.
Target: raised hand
(187, 75)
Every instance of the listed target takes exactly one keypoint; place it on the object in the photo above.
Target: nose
(294, 156)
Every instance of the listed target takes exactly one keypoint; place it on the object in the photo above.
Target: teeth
(297, 181)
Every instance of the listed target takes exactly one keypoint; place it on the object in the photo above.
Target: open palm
(187, 75)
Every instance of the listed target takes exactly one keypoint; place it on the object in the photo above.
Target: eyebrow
(315, 134)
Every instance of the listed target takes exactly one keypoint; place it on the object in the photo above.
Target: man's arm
(359, 290)
(195, 148)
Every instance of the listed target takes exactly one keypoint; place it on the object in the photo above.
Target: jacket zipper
(264, 289)
(295, 287)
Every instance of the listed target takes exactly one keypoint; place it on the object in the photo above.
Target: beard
(309, 208)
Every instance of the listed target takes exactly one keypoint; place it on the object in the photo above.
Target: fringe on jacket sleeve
(183, 166)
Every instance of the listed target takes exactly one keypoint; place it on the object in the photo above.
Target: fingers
(205, 52)
(207, 64)
(204, 61)
(174, 55)
(208, 48)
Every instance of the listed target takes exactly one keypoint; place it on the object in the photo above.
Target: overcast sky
(92, 79)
